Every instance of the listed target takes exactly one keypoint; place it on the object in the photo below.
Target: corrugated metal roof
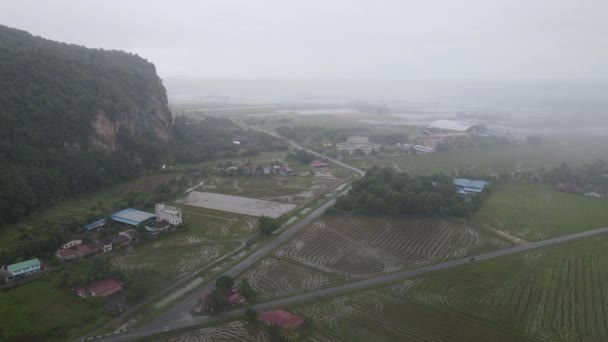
(96, 224)
(24, 264)
(132, 216)
(451, 125)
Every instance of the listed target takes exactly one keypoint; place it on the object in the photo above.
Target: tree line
(387, 192)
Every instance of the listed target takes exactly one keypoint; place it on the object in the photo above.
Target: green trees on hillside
(50, 93)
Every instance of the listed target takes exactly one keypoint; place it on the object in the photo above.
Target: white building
(357, 142)
(167, 213)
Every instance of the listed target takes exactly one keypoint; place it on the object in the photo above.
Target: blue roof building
(95, 225)
(466, 186)
(132, 216)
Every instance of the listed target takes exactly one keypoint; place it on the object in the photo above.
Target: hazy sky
(335, 39)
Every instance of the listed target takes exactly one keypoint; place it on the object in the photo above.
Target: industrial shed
(132, 216)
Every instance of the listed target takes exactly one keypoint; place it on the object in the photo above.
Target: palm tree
(289, 334)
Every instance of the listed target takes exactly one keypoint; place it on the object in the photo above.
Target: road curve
(320, 155)
(359, 285)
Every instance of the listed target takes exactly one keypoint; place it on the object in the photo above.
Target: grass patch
(536, 212)
(39, 311)
(490, 160)
(175, 262)
(551, 294)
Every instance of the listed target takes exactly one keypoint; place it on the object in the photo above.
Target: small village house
(23, 268)
(105, 244)
(66, 255)
(121, 240)
(71, 243)
(282, 319)
(131, 234)
(173, 215)
(102, 288)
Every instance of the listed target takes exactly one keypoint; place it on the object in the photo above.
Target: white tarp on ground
(235, 204)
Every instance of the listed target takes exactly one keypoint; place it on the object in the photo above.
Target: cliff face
(70, 95)
(153, 117)
(73, 120)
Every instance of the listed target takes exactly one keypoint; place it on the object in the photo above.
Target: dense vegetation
(50, 93)
(385, 191)
(586, 178)
(212, 138)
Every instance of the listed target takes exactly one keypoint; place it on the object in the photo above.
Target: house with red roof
(282, 319)
(85, 249)
(318, 163)
(66, 254)
(102, 288)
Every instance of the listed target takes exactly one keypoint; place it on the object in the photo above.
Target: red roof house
(283, 319)
(102, 288)
(84, 249)
(319, 163)
(66, 254)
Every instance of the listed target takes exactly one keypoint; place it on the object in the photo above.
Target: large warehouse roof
(451, 125)
(131, 216)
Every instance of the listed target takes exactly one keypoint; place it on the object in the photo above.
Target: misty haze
(303, 170)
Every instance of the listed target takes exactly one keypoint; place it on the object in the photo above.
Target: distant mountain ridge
(73, 119)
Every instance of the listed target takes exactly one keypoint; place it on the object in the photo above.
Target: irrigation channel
(153, 329)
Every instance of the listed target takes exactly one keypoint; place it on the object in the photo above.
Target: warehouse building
(132, 217)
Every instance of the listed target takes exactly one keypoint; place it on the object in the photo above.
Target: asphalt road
(320, 155)
(180, 311)
(359, 285)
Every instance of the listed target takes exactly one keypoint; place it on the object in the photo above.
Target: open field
(235, 204)
(491, 160)
(37, 310)
(237, 331)
(363, 247)
(208, 225)
(277, 278)
(536, 212)
(551, 294)
(292, 189)
(175, 261)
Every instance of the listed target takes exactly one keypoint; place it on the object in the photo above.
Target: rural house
(24, 268)
(131, 234)
(282, 319)
(71, 243)
(105, 244)
(102, 288)
(121, 240)
(66, 255)
(173, 215)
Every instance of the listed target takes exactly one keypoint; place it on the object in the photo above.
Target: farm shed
(283, 319)
(95, 225)
(467, 186)
(132, 216)
(102, 288)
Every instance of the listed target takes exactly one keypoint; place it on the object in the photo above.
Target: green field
(536, 212)
(37, 310)
(287, 189)
(552, 294)
(174, 261)
(491, 160)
